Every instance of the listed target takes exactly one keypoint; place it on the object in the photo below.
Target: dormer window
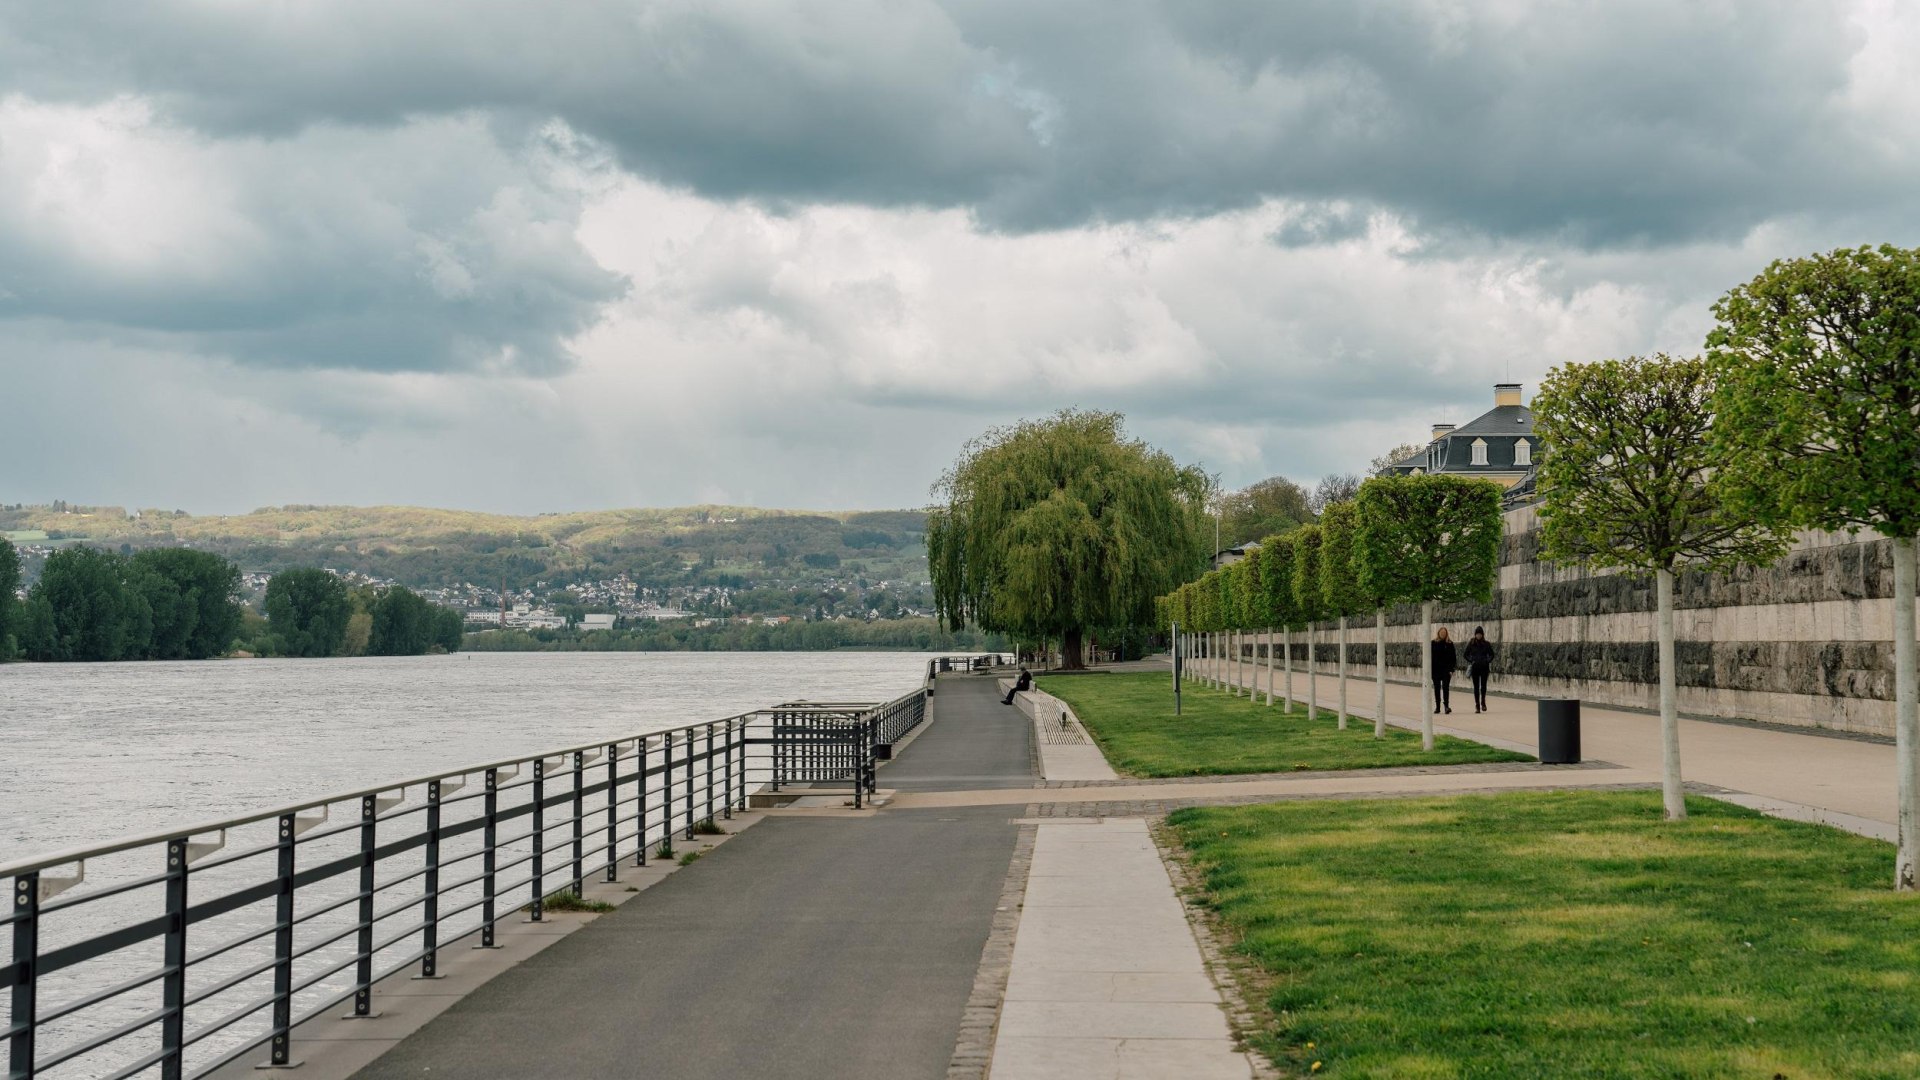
(1479, 451)
(1522, 452)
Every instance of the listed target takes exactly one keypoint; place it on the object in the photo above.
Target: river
(96, 751)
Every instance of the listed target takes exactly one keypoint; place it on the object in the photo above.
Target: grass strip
(1564, 934)
(1130, 715)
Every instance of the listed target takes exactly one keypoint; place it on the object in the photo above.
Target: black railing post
(726, 768)
(26, 956)
(491, 838)
(613, 804)
(281, 1048)
(857, 747)
(640, 778)
(430, 920)
(173, 965)
(579, 822)
(689, 782)
(363, 969)
(709, 772)
(538, 907)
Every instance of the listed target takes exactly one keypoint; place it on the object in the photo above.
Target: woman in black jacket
(1444, 662)
(1479, 665)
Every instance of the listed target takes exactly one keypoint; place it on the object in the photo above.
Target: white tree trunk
(1269, 668)
(1426, 675)
(1380, 673)
(1235, 664)
(1286, 639)
(1313, 675)
(1906, 714)
(1669, 715)
(1343, 673)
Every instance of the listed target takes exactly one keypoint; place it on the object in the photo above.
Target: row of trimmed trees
(1804, 413)
(1402, 540)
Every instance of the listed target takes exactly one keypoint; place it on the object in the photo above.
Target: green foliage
(1130, 715)
(1626, 482)
(1340, 588)
(85, 607)
(1049, 527)
(1817, 365)
(1281, 609)
(194, 597)
(1561, 934)
(308, 610)
(12, 619)
(1273, 505)
(1427, 537)
(1309, 596)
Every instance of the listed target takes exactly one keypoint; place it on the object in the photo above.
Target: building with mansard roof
(1498, 445)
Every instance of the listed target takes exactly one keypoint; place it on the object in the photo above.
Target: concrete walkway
(842, 946)
(1106, 979)
(1848, 776)
(1067, 752)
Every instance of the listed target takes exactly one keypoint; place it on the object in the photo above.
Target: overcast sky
(523, 256)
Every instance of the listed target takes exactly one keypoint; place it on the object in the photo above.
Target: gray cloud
(1639, 121)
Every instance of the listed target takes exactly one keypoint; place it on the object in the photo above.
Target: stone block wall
(1806, 641)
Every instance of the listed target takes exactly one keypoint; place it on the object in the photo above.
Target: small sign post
(1176, 669)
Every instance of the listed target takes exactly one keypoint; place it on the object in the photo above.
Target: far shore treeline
(90, 604)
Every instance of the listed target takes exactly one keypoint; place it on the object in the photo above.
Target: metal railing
(178, 952)
(977, 662)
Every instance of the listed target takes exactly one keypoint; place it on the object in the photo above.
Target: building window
(1522, 452)
(1479, 451)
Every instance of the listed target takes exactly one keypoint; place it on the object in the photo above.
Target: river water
(94, 752)
(91, 752)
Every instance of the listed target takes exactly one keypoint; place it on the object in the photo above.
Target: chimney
(1506, 393)
(1441, 429)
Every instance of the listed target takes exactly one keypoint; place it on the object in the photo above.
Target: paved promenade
(1852, 777)
(809, 946)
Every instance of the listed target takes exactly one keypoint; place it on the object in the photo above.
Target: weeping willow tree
(1049, 528)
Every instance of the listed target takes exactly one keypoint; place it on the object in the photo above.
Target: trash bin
(1560, 731)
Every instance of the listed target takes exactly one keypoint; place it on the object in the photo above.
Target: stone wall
(1806, 641)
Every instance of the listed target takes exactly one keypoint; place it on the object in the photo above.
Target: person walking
(1479, 657)
(1445, 660)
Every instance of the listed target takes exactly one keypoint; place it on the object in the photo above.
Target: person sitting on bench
(1021, 684)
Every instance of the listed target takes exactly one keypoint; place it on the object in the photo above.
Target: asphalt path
(805, 947)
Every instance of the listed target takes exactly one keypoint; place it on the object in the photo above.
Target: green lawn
(1131, 716)
(1565, 935)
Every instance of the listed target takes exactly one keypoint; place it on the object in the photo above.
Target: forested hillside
(702, 545)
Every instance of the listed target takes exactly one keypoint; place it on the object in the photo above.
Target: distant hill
(734, 546)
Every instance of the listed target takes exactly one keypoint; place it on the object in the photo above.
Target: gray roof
(1503, 420)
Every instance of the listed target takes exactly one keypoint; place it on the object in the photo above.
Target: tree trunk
(1313, 675)
(1233, 660)
(1343, 673)
(1380, 673)
(1269, 668)
(1286, 640)
(1669, 715)
(1426, 675)
(1906, 714)
(1070, 651)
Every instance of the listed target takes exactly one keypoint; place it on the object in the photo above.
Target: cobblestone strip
(973, 1052)
(1239, 981)
(1334, 774)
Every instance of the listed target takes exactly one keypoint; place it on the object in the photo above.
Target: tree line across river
(182, 604)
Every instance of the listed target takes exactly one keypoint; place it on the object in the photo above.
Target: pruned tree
(1052, 526)
(1626, 486)
(1310, 602)
(1424, 540)
(1282, 610)
(1340, 581)
(1817, 366)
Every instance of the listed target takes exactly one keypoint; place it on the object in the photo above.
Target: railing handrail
(159, 836)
